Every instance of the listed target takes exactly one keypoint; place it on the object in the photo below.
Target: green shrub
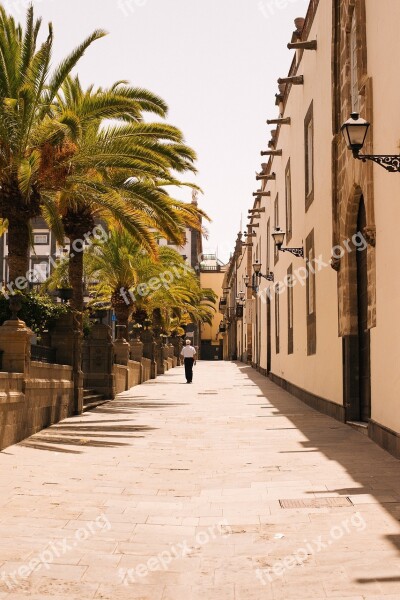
(39, 312)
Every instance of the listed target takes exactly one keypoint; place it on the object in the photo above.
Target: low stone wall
(121, 378)
(146, 369)
(31, 403)
(134, 373)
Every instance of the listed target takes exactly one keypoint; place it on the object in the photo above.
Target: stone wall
(121, 378)
(134, 373)
(352, 179)
(146, 369)
(31, 403)
(127, 376)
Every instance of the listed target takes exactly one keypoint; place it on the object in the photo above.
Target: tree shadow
(83, 432)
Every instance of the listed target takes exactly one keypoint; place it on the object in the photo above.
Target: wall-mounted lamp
(253, 285)
(355, 131)
(279, 237)
(241, 296)
(257, 270)
(222, 327)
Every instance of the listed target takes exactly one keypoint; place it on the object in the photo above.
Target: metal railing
(210, 268)
(43, 354)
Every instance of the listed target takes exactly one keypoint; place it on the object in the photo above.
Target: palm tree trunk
(75, 272)
(18, 250)
(76, 281)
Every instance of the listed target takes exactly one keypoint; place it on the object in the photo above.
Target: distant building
(212, 273)
(193, 247)
(43, 255)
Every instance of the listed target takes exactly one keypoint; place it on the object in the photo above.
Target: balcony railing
(210, 268)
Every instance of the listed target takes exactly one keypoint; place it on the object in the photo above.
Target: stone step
(87, 398)
(92, 399)
(94, 404)
(360, 426)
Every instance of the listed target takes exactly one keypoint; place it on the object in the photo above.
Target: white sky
(215, 62)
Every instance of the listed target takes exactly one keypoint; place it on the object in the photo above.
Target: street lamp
(355, 131)
(257, 270)
(279, 237)
(241, 296)
(251, 285)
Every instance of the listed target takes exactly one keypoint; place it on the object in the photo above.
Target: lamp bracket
(299, 252)
(269, 277)
(390, 162)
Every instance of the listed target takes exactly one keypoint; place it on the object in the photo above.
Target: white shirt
(188, 351)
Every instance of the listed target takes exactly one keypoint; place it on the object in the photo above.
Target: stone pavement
(175, 492)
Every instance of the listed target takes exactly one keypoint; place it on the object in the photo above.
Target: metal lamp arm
(390, 162)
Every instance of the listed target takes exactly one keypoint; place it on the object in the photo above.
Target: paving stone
(203, 459)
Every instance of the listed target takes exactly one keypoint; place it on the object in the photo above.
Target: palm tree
(133, 281)
(116, 172)
(27, 93)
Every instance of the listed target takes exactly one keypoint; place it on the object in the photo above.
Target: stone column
(98, 361)
(150, 351)
(15, 342)
(67, 339)
(177, 344)
(159, 357)
(122, 348)
(136, 349)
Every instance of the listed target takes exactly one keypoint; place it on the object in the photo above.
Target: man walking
(189, 354)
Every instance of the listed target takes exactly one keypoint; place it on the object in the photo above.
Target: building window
(276, 225)
(290, 308)
(40, 239)
(311, 295)
(277, 320)
(309, 155)
(355, 98)
(288, 198)
(40, 270)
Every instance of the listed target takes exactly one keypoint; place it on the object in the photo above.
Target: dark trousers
(189, 368)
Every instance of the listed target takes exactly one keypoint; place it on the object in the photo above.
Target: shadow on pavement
(377, 471)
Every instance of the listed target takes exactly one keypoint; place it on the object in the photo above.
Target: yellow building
(212, 273)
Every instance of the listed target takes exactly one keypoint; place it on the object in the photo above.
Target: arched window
(355, 98)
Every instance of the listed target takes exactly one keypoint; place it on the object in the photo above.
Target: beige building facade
(320, 319)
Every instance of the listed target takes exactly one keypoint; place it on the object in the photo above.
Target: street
(227, 489)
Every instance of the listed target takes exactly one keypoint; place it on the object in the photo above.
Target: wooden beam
(307, 45)
(270, 177)
(271, 152)
(281, 121)
(294, 80)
